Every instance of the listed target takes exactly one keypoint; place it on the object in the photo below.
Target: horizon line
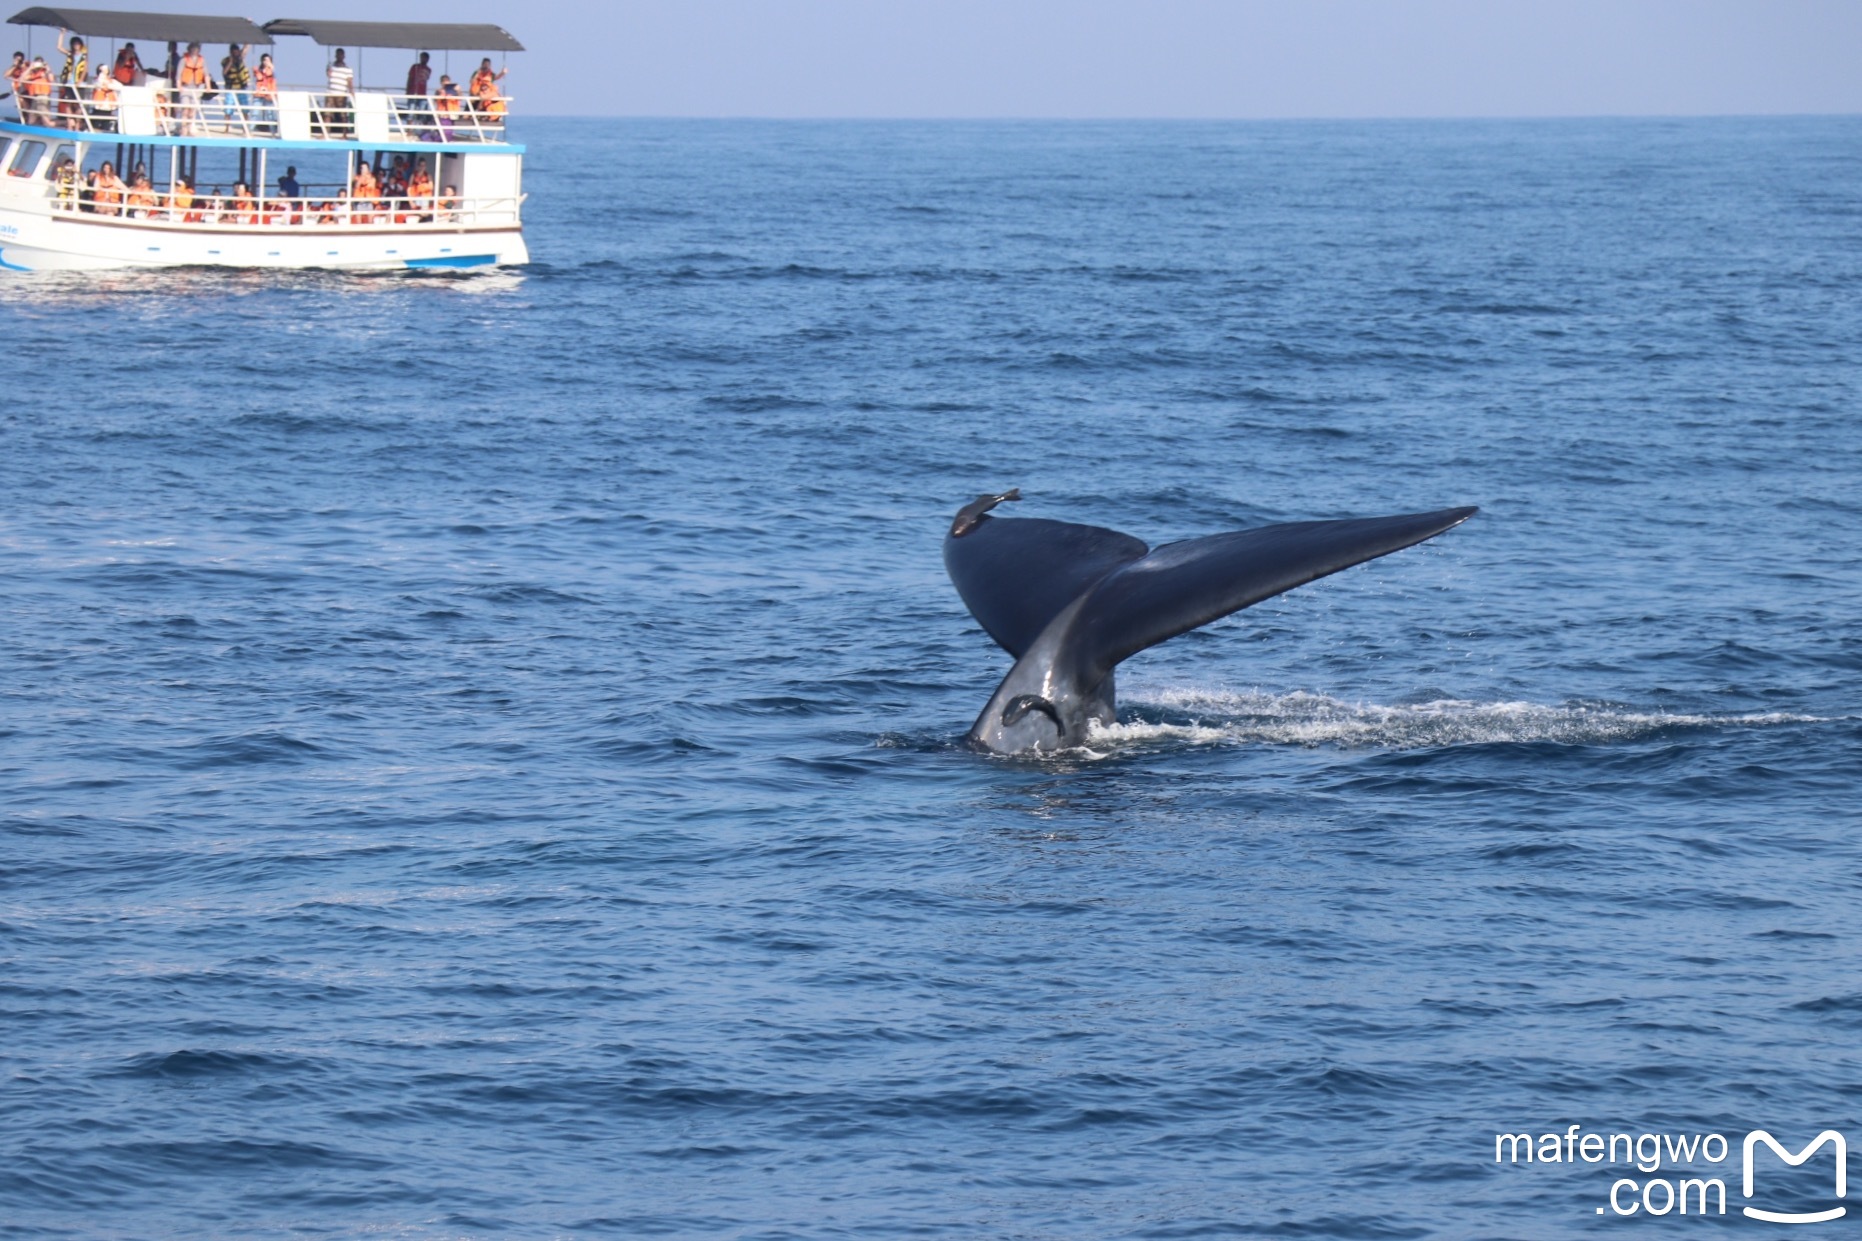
(816, 118)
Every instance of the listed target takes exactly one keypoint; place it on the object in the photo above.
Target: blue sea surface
(482, 756)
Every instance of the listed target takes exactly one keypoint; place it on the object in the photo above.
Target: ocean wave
(1307, 719)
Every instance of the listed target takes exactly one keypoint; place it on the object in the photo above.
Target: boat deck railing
(294, 114)
(311, 212)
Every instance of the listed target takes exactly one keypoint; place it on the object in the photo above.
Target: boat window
(64, 152)
(6, 144)
(27, 159)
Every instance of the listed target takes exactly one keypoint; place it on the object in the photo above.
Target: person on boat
(447, 206)
(181, 204)
(35, 100)
(420, 193)
(128, 66)
(236, 78)
(71, 80)
(394, 190)
(245, 210)
(485, 95)
(108, 195)
(193, 82)
(395, 185)
(265, 93)
(103, 103)
(87, 196)
(447, 105)
(140, 201)
(363, 194)
(418, 75)
(14, 73)
(287, 184)
(342, 86)
(67, 179)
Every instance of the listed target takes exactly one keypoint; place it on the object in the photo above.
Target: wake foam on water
(1306, 719)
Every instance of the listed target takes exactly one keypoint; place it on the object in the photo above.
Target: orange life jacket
(485, 90)
(193, 70)
(363, 192)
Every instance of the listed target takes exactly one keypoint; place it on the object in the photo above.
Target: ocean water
(483, 756)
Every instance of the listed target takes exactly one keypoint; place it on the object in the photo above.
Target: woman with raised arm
(485, 94)
(236, 81)
(71, 80)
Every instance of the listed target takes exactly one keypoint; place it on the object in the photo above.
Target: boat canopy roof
(420, 36)
(155, 27)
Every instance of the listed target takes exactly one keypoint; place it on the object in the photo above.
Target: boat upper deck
(119, 96)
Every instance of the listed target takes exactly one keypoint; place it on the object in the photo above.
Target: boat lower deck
(69, 242)
(65, 204)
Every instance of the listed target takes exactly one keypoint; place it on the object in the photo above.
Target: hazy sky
(1127, 58)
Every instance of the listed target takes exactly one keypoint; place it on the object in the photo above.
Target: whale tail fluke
(1182, 586)
(1016, 574)
(1071, 601)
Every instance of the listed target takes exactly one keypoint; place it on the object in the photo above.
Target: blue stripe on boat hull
(455, 260)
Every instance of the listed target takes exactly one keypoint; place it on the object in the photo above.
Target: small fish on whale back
(1069, 602)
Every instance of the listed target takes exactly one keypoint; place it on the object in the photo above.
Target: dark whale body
(1069, 602)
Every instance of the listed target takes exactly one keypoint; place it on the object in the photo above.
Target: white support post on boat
(135, 111)
(259, 193)
(294, 115)
(372, 119)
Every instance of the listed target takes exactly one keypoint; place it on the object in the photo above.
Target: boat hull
(59, 241)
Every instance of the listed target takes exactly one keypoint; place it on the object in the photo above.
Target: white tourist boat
(197, 148)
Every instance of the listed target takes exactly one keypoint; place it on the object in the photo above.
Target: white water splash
(1306, 719)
